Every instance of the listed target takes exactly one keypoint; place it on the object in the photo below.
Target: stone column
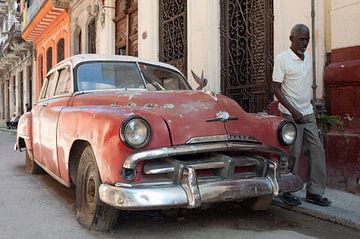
(2, 103)
(6, 99)
(26, 89)
(203, 29)
(18, 105)
(12, 95)
(148, 33)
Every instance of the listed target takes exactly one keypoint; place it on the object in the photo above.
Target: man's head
(299, 37)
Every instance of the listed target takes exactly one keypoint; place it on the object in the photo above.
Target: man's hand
(298, 117)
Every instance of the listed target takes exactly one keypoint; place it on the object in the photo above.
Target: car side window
(52, 81)
(44, 88)
(63, 86)
(160, 78)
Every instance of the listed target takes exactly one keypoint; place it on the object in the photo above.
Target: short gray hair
(299, 28)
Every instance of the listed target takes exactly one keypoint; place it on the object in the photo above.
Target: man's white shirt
(294, 75)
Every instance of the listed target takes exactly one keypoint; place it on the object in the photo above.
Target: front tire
(90, 211)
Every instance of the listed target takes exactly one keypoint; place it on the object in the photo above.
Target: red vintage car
(131, 134)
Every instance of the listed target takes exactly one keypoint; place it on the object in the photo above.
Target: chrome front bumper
(186, 190)
(189, 193)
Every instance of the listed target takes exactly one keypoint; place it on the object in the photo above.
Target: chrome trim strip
(219, 138)
(23, 136)
(207, 139)
(132, 160)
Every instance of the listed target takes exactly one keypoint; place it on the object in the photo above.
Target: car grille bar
(132, 160)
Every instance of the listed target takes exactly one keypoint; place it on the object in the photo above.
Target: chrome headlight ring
(135, 132)
(287, 132)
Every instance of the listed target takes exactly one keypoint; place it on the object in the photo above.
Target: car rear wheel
(31, 166)
(90, 211)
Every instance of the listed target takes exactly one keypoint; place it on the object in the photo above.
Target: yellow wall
(345, 23)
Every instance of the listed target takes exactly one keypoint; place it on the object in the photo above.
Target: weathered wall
(345, 20)
(82, 12)
(204, 34)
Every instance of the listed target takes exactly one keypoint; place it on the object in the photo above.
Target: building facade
(46, 24)
(16, 85)
(232, 41)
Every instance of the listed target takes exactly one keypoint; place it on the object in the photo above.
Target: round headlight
(287, 132)
(135, 132)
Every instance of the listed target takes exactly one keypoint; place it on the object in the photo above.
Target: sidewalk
(3, 128)
(344, 210)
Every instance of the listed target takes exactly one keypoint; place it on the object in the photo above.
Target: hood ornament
(222, 116)
(201, 81)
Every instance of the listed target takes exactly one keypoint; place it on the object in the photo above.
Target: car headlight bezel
(131, 126)
(287, 132)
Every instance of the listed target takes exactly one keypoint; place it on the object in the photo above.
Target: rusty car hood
(188, 114)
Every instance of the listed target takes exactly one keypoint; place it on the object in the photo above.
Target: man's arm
(298, 117)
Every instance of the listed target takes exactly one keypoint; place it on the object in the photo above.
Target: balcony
(40, 15)
(14, 48)
(64, 4)
(3, 8)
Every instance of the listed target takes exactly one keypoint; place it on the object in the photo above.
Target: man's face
(299, 42)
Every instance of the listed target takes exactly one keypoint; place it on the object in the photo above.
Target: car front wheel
(90, 211)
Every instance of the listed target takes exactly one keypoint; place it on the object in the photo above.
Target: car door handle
(43, 104)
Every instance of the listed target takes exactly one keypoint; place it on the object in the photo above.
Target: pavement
(344, 210)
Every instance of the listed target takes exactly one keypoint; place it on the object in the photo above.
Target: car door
(55, 96)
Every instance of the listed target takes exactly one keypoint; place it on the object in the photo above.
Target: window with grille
(49, 62)
(60, 50)
(247, 52)
(173, 33)
(92, 37)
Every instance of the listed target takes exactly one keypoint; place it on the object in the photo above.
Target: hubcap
(89, 189)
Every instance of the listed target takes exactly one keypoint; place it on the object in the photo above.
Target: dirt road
(39, 207)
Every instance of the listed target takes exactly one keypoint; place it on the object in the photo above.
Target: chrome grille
(212, 165)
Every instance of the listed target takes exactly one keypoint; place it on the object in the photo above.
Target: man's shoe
(290, 199)
(317, 199)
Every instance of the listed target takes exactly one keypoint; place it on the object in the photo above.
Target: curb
(331, 213)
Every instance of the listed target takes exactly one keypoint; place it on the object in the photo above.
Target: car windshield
(109, 75)
(126, 75)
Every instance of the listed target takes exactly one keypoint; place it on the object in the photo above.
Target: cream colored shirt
(294, 75)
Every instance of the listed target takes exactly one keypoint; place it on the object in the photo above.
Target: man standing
(292, 87)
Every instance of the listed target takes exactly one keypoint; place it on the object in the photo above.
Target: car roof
(77, 59)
